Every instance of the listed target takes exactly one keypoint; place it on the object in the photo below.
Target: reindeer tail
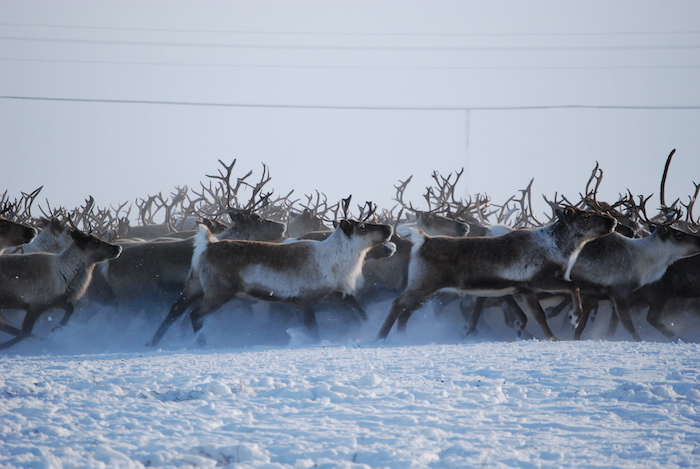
(202, 240)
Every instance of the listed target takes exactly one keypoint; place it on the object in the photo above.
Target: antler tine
(662, 195)
(264, 200)
(371, 210)
(225, 179)
(346, 206)
(400, 190)
(71, 223)
(641, 209)
(590, 197)
(28, 201)
(689, 206)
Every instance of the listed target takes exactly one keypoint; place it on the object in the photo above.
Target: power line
(355, 33)
(353, 108)
(357, 48)
(352, 67)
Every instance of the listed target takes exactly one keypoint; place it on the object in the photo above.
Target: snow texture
(262, 395)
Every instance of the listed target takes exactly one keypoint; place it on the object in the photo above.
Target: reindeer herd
(216, 249)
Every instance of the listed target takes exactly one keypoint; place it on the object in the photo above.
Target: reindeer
(525, 260)
(310, 219)
(305, 222)
(154, 272)
(40, 281)
(14, 234)
(681, 280)
(613, 267)
(302, 272)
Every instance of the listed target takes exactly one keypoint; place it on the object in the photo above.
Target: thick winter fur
(54, 237)
(154, 272)
(14, 234)
(303, 223)
(301, 272)
(435, 225)
(681, 280)
(614, 266)
(519, 261)
(37, 282)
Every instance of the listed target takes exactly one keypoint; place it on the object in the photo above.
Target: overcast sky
(348, 97)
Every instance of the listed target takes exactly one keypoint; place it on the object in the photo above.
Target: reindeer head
(247, 225)
(685, 244)
(15, 234)
(585, 225)
(371, 234)
(95, 249)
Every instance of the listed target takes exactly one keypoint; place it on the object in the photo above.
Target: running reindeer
(522, 261)
(301, 272)
(38, 282)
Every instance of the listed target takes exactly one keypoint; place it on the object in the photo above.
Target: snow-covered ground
(261, 395)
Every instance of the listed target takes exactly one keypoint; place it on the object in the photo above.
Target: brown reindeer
(524, 260)
(14, 234)
(154, 272)
(38, 282)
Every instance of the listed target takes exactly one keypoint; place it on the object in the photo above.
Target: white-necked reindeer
(302, 272)
(524, 260)
(615, 266)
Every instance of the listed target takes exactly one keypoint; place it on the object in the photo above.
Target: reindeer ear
(662, 230)
(346, 226)
(55, 225)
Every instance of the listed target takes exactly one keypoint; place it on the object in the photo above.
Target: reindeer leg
(192, 293)
(402, 308)
(204, 309)
(586, 312)
(27, 326)
(520, 317)
(473, 319)
(536, 309)
(176, 310)
(7, 329)
(351, 302)
(556, 310)
(308, 316)
(623, 313)
(654, 318)
(612, 327)
(68, 309)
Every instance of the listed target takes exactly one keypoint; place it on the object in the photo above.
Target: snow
(261, 394)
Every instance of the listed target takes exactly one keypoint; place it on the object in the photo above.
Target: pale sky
(348, 97)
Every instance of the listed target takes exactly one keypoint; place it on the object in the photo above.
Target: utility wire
(349, 33)
(353, 67)
(352, 108)
(356, 48)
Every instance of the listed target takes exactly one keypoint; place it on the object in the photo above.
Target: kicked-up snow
(92, 395)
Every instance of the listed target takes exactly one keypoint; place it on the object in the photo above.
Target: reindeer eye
(4, 225)
(679, 235)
